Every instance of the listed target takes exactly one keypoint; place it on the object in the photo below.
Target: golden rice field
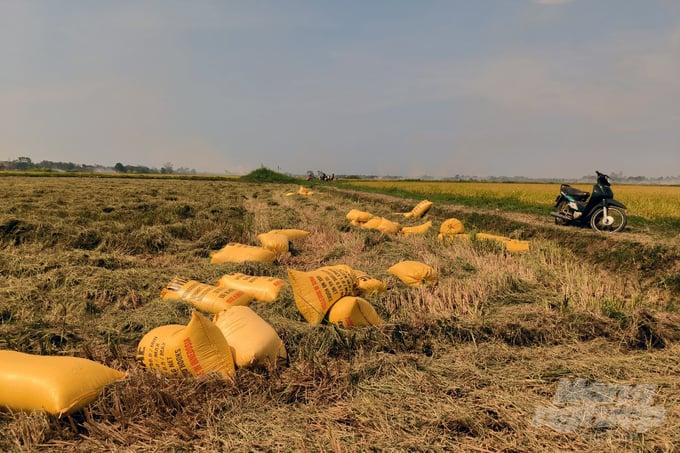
(648, 202)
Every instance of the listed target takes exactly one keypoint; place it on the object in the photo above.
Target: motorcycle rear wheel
(562, 208)
(615, 221)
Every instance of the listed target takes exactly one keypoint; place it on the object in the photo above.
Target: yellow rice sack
(316, 291)
(381, 224)
(253, 341)
(263, 289)
(276, 242)
(416, 230)
(388, 226)
(420, 209)
(305, 191)
(355, 216)
(209, 298)
(451, 226)
(515, 245)
(350, 312)
(414, 273)
(292, 233)
(511, 245)
(239, 253)
(491, 237)
(368, 285)
(196, 349)
(371, 223)
(448, 238)
(55, 384)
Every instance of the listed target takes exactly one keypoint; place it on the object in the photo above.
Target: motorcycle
(599, 209)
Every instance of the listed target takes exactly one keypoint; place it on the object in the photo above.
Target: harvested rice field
(572, 344)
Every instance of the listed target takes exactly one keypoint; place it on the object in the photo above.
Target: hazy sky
(555, 88)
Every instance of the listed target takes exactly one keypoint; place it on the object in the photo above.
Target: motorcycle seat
(575, 193)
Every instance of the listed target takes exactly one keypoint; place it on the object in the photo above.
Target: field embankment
(470, 364)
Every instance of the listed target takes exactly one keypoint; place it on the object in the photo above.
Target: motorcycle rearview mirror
(602, 177)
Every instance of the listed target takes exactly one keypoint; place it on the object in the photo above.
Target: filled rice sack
(381, 224)
(388, 226)
(414, 273)
(350, 312)
(262, 289)
(491, 237)
(239, 253)
(367, 285)
(416, 230)
(316, 291)
(253, 341)
(276, 242)
(196, 349)
(355, 216)
(371, 223)
(511, 245)
(209, 298)
(55, 384)
(292, 233)
(449, 238)
(419, 210)
(515, 245)
(451, 226)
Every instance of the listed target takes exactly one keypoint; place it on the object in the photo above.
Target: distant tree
(23, 163)
(185, 171)
(119, 168)
(167, 168)
(50, 165)
(139, 169)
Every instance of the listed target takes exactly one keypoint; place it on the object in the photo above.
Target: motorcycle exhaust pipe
(560, 215)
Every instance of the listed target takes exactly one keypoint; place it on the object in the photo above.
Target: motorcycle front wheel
(613, 222)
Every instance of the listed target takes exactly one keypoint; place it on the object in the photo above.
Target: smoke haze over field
(552, 88)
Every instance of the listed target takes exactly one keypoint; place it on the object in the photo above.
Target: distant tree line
(26, 164)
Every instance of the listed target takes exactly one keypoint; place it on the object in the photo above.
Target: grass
(461, 366)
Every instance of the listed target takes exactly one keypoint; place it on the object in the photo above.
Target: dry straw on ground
(460, 366)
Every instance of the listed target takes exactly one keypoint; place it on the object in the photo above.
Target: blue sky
(553, 88)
